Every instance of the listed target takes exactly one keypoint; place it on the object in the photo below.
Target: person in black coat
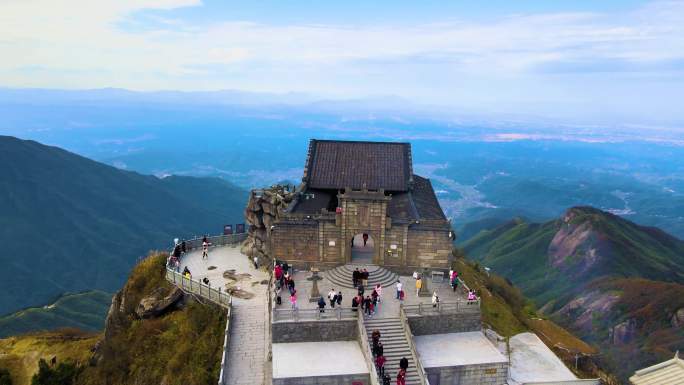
(338, 298)
(321, 304)
(379, 350)
(403, 363)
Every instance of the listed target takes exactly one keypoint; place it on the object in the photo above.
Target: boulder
(154, 306)
(678, 318)
(623, 333)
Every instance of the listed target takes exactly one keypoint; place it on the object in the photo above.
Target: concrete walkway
(249, 332)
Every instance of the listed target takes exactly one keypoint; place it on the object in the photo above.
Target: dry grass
(20, 354)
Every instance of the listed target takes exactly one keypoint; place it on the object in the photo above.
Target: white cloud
(83, 44)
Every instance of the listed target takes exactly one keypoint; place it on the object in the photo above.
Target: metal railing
(367, 354)
(409, 339)
(300, 315)
(192, 286)
(215, 240)
(458, 307)
(224, 356)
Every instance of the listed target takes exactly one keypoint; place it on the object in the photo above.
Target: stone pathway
(249, 332)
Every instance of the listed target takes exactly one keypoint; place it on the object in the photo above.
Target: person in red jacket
(401, 377)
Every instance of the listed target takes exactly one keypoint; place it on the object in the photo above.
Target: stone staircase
(341, 276)
(395, 347)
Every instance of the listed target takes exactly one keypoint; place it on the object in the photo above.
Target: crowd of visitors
(360, 277)
(379, 358)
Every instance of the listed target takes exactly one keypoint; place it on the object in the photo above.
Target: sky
(616, 60)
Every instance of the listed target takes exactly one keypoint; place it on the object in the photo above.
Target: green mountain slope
(70, 224)
(614, 283)
(85, 311)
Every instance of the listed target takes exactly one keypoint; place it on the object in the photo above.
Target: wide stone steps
(341, 276)
(395, 347)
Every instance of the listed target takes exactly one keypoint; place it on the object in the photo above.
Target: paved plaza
(389, 307)
(248, 348)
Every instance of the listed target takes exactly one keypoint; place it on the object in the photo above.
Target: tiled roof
(333, 164)
(670, 372)
(425, 199)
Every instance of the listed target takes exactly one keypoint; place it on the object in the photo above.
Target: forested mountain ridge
(612, 282)
(69, 224)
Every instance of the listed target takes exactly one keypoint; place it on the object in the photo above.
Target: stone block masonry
(360, 379)
(483, 374)
(445, 323)
(314, 331)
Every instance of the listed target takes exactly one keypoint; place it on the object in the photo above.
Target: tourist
(374, 297)
(186, 273)
(278, 273)
(204, 239)
(205, 280)
(403, 363)
(364, 277)
(279, 300)
(177, 251)
(401, 377)
(454, 281)
(321, 304)
(355, 277)
(380, 365)
(375, 337)
(379, 350)
(355, 304)
(472, 298)
(398, 289)
(361, 290)
(205, 249)
(386, 379)
(367, 305)
(286, 268)
(378, 289)
(256, 262)
(365, 239)
(184, 248)
(419, 284)
(291, 285)
(435, 299)
(331, 297)
(338, 298)
(293, 299)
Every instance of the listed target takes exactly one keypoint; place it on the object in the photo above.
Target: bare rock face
(154, 306)
(623, 333)
(677, 320)
(575, 245)
(263, 210)
(583, 309)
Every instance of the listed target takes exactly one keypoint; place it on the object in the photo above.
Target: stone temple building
(360, 202)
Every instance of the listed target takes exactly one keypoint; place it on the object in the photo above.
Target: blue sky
(616, 61)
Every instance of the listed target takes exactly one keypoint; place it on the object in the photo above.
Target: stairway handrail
(196, 287)
(414, 352)
(365, 346)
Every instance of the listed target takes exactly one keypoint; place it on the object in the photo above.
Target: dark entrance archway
(362, 249)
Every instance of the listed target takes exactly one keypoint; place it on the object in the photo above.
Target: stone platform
(342, 276)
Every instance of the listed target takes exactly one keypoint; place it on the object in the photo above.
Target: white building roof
(533, 361)
(670, 372)
(315, 359)
(456, 349)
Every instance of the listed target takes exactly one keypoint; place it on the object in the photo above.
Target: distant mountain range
(615, 283)
(69, 224)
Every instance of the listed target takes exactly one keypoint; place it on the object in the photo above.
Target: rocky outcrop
(157, 304)
(263, 209)
(583, 309)
(623, 333)
(677, 319)
(575, 246)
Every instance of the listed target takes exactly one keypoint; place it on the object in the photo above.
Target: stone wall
(428, 247)
(347, 379)
(314, 331)
(483, 374)
(296, 241)
(445, 323)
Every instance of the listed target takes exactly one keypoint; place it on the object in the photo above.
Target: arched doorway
(362, 248)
